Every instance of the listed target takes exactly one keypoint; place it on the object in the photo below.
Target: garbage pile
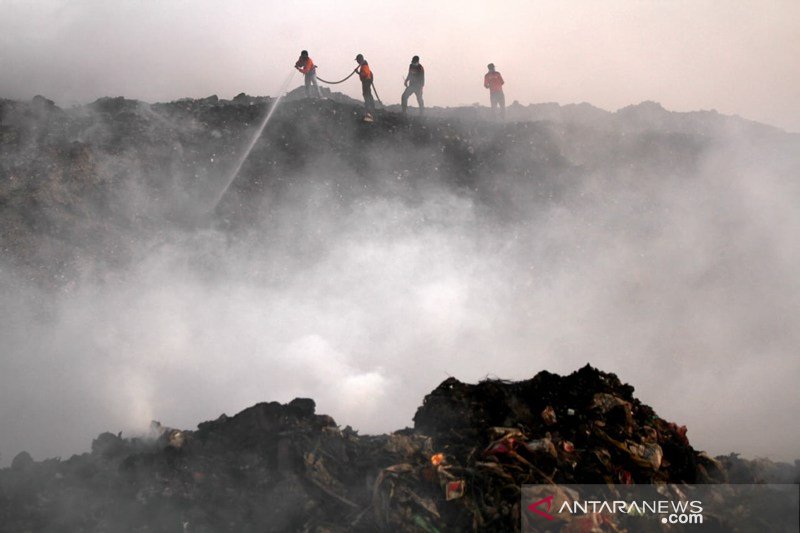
(276, 467)
(73, 174)
(587, 427)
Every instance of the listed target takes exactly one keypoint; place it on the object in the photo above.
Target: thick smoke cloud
(682, 282)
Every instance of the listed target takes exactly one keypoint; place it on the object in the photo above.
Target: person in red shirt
(309, 70)
(494, 82)
(365, 74)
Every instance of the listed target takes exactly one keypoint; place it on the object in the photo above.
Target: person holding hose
(365, 74)
(309, 70)
(415, 81)
(494, 82)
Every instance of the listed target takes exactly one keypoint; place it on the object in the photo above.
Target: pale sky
(736, 57)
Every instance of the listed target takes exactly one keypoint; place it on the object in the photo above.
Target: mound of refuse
(84, 186)
(276, 467)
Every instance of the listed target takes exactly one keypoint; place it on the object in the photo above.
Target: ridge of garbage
(282, 467)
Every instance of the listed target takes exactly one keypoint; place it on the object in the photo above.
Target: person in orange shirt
(365, 74)
(309, 70)
(494, 82)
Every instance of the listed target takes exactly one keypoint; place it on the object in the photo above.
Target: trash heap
(276, 467)
(587, 427)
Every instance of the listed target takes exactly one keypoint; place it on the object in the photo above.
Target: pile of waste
(86, 191)
(276, 467)
(72, 174)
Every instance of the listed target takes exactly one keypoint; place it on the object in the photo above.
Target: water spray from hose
(238, 166)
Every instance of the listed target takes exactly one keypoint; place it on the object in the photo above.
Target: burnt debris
(276, 467)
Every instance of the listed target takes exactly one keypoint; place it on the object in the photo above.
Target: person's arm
(486, 81)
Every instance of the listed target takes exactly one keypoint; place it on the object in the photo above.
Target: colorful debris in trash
(455, 489)
(549, 415)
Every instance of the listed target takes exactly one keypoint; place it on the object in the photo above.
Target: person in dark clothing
(309, 70)
(415, 81)
(365, 74)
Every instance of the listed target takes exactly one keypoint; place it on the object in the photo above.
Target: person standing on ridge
(415, 81)
(494, 82)
(309, 70)
(365, 74)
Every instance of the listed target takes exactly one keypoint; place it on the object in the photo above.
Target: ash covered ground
(362, 264)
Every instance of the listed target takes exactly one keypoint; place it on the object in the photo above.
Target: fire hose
(340, 81)
(347, 78)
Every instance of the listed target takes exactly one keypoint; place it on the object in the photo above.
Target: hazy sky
(736, 57)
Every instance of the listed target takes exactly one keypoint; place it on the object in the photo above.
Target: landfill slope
(276, 467)
(85, 188)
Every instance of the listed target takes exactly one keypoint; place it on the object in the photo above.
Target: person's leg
(371, 101)
(404, 98)
(420, 101)
(502, 102)
(366, 91)
(317, 91)
(493, 100)
(307, 77)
